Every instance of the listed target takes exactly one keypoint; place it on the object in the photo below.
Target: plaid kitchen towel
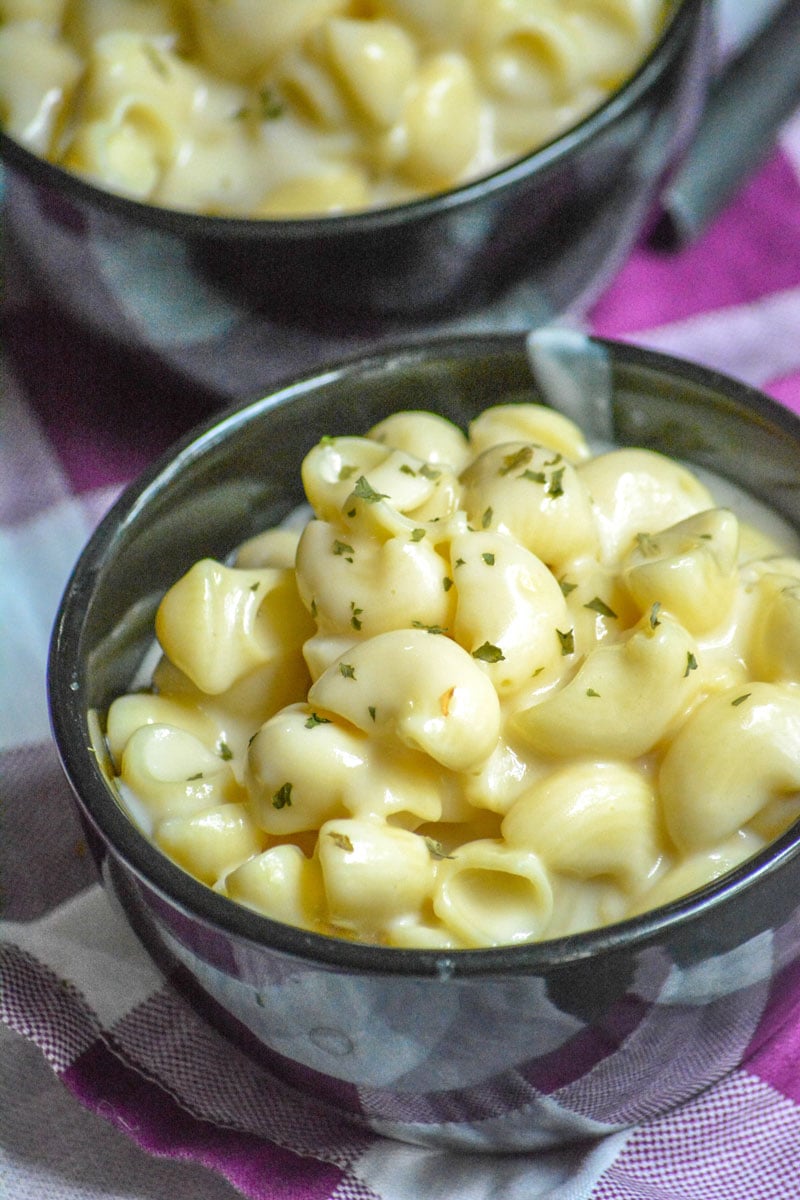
(110, 1085)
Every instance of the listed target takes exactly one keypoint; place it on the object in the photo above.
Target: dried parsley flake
(488, 653)
(283, 796)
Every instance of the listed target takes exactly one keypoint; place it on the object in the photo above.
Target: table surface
(80, 419)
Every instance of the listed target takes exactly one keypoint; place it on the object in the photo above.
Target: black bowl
(562, 218)
(508, 1048)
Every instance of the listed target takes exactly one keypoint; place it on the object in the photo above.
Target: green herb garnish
(156, 60)
(283, 796)
(488, 653)
(365, 491)
(517, 459)
(555, 488)
(269, 106)
(567, 640)
(599, 606)
(648, 546)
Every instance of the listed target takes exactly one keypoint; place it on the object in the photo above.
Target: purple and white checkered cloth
(110, 1085)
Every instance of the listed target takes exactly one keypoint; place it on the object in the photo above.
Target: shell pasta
(306, 107)
(495, 689)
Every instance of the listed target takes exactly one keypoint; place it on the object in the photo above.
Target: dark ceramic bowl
(562, 217)
(509, 1048)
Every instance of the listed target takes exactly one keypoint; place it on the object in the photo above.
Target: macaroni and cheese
(495, 689)
(305, 107)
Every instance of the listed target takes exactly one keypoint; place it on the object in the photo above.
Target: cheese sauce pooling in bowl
(306, 107)
(494, 689)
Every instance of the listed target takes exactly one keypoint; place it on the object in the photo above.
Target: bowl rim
(378, 219)
(120, 836)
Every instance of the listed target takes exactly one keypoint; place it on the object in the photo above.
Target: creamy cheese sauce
(485, 689)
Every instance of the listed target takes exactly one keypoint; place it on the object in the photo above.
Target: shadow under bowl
(498, 1049)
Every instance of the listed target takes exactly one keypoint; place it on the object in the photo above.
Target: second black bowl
(561, 218)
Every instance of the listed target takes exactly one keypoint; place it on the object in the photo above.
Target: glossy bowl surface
(510, 1048)
(561, 218)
